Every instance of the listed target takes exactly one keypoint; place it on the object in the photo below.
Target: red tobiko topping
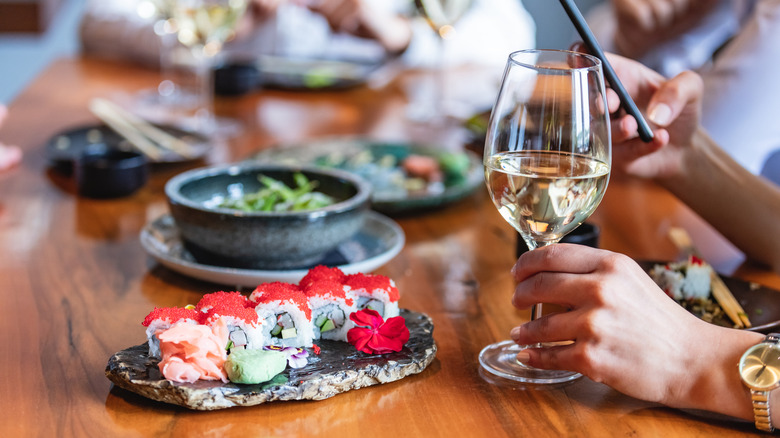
(322, 273)
(330, 288)
(373, 335)
(373, 282)
(696, 261)
(222, 300)
(278, 291)
(171, 314)
(276, 288)
(316, 348)
(247, 314)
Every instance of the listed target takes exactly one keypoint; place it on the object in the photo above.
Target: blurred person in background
(330, 29)
(732, 44)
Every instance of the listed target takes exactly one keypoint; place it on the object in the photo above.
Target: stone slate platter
(338, 368)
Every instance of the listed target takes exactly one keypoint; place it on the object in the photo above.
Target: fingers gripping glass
(547, 161)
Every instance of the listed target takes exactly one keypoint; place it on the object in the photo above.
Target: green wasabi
(254, 366)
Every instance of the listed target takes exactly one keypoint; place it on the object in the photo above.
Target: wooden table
(76, 283)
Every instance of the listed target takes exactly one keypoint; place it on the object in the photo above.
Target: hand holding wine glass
(547, 162)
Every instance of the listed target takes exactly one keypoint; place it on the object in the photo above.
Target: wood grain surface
(76, 284)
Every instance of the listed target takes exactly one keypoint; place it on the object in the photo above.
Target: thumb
(672, 97)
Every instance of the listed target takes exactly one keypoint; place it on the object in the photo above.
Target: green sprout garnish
(277, 196)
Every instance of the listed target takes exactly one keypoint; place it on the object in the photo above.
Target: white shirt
(485, 35)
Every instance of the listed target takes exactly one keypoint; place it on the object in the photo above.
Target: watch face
(760, 367)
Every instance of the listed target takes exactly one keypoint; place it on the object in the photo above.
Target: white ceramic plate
(377, 242)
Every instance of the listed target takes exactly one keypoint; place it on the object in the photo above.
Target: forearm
(745, 208)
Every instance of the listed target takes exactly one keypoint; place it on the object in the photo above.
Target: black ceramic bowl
(263, 240)
(106, 172)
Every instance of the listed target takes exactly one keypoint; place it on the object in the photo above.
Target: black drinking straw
(645, 133)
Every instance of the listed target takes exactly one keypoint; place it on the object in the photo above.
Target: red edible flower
(373, 335)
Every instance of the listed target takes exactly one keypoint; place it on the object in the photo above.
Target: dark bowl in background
(263, 240)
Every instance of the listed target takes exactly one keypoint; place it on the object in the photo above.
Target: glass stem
(536, 309)
(204, 84)
(167, 87)
(439, 85)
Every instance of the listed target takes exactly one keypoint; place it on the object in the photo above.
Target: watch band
(761, 398)
(761, 410)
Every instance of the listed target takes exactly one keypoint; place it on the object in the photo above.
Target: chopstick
(645, 133)
(721, 293)
(149, 139)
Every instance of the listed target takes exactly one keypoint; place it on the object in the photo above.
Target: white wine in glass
(547, 162)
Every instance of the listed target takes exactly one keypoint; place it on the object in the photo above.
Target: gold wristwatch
(759, 368)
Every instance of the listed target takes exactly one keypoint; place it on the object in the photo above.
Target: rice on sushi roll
(375, 292)
(332, 302)
(163, 318)
(287, 309)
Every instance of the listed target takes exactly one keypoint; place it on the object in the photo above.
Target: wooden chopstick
(721, 293)
(125, 129)
(105, 109)
(726, 299)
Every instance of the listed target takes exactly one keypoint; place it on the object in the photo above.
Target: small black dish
(236, 79)
(64, 148)
(103, 172)
(586, 234)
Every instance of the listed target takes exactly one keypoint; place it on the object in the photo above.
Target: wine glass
(166, 102)
(441, 16)
(547, 161)
(204, 26)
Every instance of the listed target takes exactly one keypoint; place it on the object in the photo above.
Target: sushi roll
(244, 326)
(287, 309)
(162, 318)
(332, 302)
(375, 292)
(686, 280)
(322, 273)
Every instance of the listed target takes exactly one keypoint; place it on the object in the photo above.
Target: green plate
(379, 162)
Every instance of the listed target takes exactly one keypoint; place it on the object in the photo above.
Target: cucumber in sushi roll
(332, 302)
(289, 313)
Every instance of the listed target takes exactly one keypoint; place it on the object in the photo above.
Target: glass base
(500, 359)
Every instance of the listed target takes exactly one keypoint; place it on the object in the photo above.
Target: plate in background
(63, 148)
(760, 303)
(312, 74)
(377, 242)
(388, 196)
